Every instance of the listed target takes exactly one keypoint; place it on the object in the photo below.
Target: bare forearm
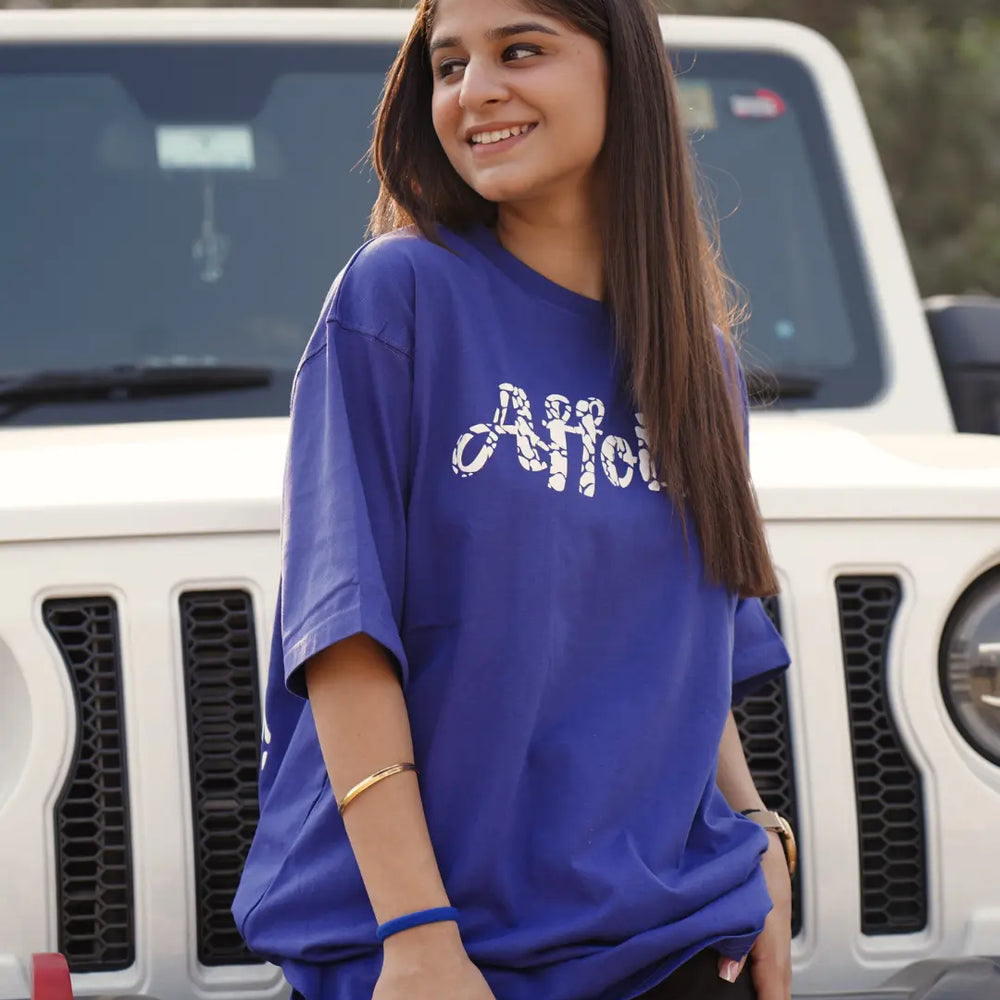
(363, 725)
(771, 953)
(733, 776)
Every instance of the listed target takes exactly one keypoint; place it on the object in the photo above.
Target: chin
(498, 194)
(505, 189)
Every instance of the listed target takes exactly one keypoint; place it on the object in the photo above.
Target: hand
(771, 955)
(429, 963)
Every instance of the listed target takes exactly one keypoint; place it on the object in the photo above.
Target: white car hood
(196, 477)
(806, 469)
(187, 477)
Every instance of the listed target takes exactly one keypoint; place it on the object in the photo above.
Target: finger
(730, 968)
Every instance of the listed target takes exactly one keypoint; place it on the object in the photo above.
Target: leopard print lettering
(557, 412)
(613, 450)
(590, 414)
(529, 444)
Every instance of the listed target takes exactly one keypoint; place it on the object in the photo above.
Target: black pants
(696, 979)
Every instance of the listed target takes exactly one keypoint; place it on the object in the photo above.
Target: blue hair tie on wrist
(437, 915)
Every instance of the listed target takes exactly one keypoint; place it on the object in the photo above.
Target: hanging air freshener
(206, 148)
(212, 247)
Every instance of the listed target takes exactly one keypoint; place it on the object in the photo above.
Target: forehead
(470, 18)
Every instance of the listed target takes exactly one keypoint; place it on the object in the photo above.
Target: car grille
(93, 848)
(224, 725)
(887, 785)
(220, 669)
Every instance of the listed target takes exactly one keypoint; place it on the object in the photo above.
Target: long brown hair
(664, 286)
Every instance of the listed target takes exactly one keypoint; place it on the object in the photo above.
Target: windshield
(200, 223)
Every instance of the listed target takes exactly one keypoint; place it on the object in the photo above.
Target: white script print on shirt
(265, 736)
(513, 419)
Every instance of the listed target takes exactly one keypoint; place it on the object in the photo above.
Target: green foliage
(929, 75)
(933, 95)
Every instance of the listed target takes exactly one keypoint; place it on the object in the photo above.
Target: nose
(481, 85)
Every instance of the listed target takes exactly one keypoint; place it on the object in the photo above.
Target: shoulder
(376, 292)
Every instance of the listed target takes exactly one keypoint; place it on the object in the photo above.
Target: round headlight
(970, 665)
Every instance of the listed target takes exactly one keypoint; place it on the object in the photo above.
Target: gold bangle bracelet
(372, 779)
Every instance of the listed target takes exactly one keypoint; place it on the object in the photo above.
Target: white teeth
(486, 138)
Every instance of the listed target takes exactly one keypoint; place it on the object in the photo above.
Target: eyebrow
(494, 34)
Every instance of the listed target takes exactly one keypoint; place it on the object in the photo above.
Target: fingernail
(729, 970)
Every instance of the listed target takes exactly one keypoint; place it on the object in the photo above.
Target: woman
(521, 555)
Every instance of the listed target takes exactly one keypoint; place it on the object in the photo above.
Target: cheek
(584, 114)
(438, 116)
(591, 99)
(446, 115)
(592, 126)
(600, 125)
(595, 131)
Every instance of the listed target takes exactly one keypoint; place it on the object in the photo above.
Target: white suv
(180, 186)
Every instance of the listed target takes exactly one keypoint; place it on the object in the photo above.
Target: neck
(562, 243)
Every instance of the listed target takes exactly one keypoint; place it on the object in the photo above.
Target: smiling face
(520, 100)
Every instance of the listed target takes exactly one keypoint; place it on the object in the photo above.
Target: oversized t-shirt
(468, 484)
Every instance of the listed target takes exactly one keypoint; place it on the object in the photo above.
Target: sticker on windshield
(763, 104)
(697, 106)
(204, 147)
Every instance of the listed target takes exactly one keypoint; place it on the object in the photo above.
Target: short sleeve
(345, 495)
(759, 653)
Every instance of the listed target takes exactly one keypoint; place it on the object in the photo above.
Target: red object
(762, 104)
(776, 101)
(50, 977)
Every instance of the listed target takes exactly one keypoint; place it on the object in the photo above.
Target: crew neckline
(530, 280)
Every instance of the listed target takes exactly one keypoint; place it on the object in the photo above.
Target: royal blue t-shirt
(468, 484)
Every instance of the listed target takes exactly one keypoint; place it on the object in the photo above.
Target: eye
(448, 67)
(514, 53)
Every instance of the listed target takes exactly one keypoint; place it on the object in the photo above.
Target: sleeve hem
(750, 671)
(330, 631)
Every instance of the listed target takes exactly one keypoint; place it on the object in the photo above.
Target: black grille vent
(224, 725)
(887, 785)
(766, 733)
(93, 846)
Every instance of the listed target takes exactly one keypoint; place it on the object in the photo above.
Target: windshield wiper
(765, 386)
(126, 382)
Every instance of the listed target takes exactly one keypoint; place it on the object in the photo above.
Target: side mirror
(966, 333)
